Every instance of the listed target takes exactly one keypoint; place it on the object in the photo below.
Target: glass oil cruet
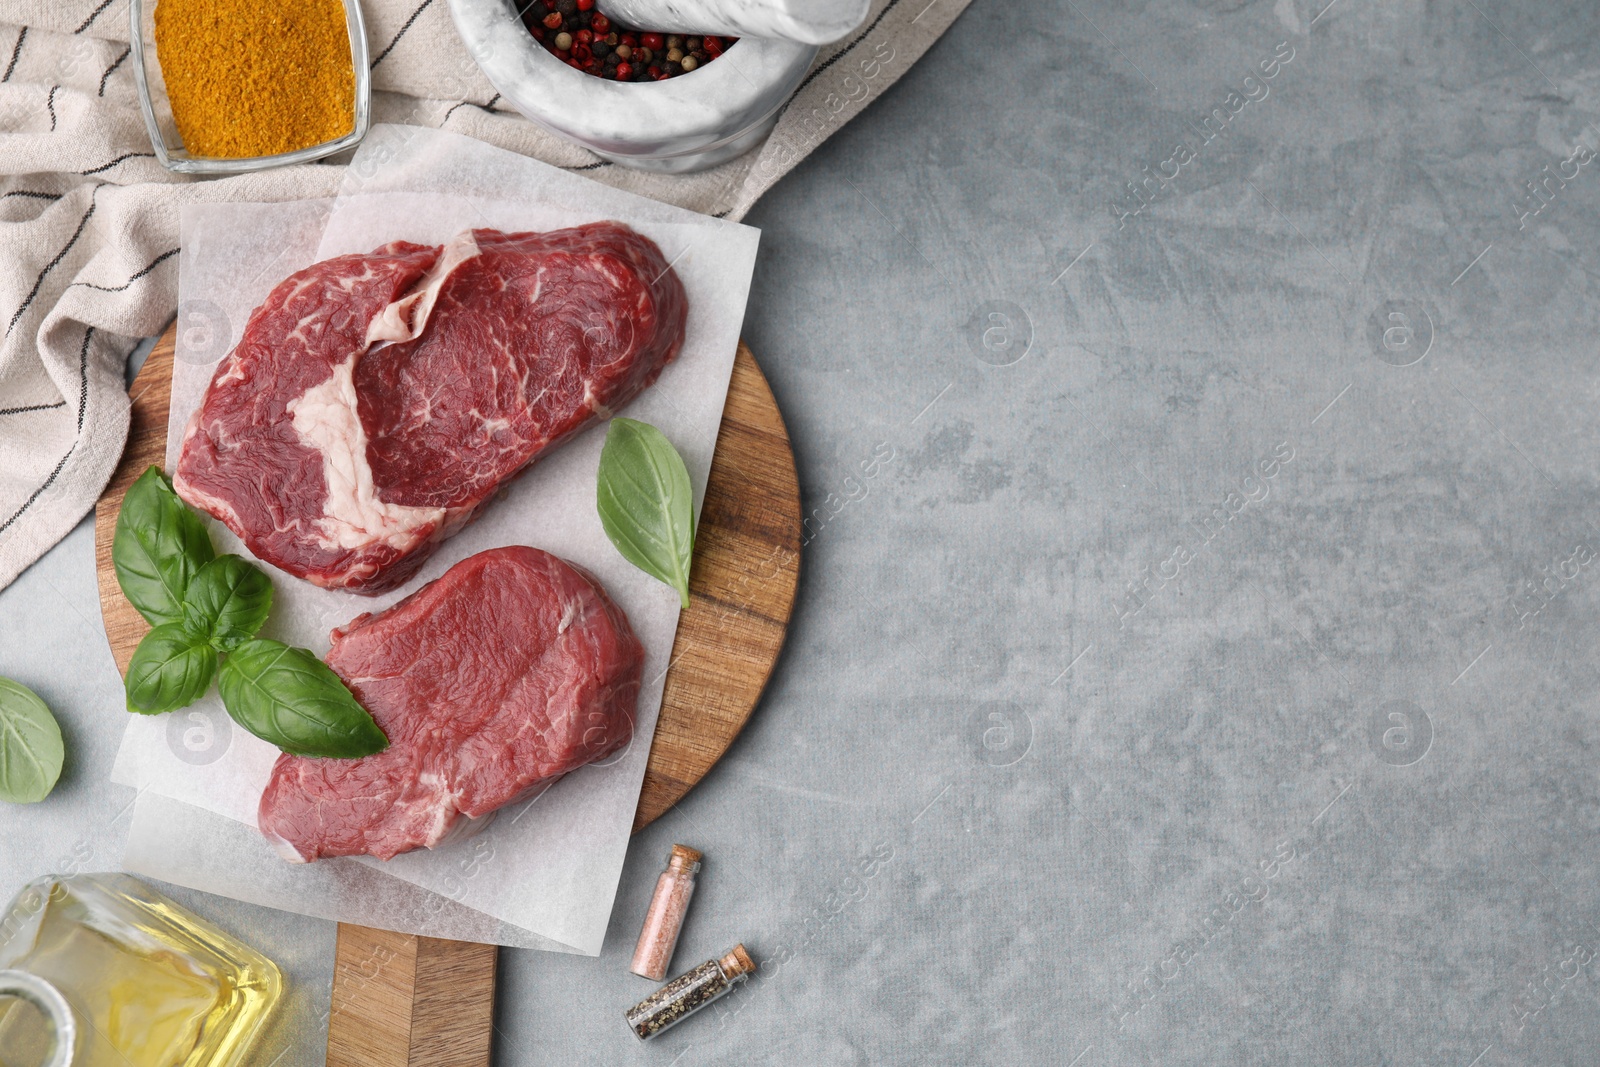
(100, 970)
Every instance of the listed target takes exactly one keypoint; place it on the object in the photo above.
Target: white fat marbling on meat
(326, 419)
(404, 319)
(283, 847)
(592, 402)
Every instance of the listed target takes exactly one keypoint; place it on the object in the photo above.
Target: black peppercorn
(594, 43)
(567, 7)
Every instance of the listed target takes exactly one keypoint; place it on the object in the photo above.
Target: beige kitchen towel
(89, 219)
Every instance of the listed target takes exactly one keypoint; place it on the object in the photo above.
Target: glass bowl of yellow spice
(229, 86)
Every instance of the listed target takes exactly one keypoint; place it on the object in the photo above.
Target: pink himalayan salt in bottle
(665, 918)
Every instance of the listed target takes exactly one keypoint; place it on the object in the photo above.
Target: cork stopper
(684, 858)
(737, 963)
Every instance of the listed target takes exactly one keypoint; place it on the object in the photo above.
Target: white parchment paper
(545, 871)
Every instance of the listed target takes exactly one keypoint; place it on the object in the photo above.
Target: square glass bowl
(164, 131)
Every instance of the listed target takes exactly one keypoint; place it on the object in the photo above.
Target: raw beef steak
(375, 403)
(505, 673)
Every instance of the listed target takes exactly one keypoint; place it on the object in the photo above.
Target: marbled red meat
(510, 670)
(375, 403)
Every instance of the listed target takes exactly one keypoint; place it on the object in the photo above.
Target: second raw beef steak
(492, 681)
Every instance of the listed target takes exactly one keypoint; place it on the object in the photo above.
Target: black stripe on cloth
(50, 266)
(841, 53)
(114, 162)
(50, 103)
(591, 166)
(722, 214)
(31, 193)
(489, 107)
(113, 68)
(390, 46)
(93, 15)
(32, 407)
(83, 375)
(4, 526)
(154, 263)
(83, 400)
(15, 53)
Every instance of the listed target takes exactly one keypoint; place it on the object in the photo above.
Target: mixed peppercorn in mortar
(248, 79)
(574, 32)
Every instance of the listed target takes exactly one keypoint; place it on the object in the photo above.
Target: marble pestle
(804, 21)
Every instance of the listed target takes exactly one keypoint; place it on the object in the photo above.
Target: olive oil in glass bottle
(102, 971)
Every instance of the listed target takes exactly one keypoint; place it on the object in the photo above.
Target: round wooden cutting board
(435, 1000)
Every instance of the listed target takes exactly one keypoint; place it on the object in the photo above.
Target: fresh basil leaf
(227, 602)
(171, 669)
(646, 503)
(30, 745)
(290, 698)
(159, 546)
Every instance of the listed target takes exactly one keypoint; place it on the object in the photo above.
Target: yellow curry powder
(252, 78)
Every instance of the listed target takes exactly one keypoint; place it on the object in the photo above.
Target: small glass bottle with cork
(664, 921)
(688, 993)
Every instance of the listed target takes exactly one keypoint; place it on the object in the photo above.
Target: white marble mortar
(806, 21)
(687, 123)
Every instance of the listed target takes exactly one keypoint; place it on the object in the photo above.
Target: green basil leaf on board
(30, 745)
(646, 503)
(227, 602)
(290, 698)
(171, 669)
(159, 546)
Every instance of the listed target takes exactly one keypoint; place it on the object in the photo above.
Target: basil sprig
(207, 609)
(31, 751)
(646, 503)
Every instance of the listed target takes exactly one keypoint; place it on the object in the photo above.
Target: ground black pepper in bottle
(688, 993)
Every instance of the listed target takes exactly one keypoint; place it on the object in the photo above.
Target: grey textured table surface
(1178, 690)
